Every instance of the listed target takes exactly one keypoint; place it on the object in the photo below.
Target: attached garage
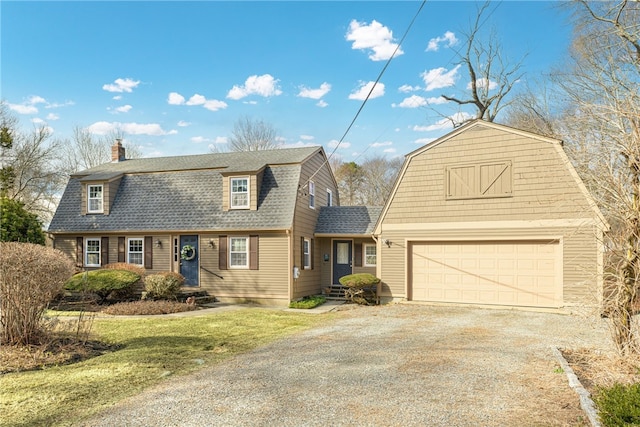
(515, 273)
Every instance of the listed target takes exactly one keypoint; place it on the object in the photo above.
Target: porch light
(212, 243)
(387, 242)
(158, 243)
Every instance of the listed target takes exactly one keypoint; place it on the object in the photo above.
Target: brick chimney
(117, 151)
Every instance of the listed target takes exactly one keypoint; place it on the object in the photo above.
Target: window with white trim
(329, 197)
(135, 252)
(306, 251)
(239, 252)
(239, 193)
(370, 254)
(94, 199)
(92, 252)
(312, 195)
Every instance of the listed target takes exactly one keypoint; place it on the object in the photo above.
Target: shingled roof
(347, 220)
(184, 193)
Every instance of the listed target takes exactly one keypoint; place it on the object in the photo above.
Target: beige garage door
(518, 273)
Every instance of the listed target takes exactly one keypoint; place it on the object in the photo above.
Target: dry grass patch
(137, 308)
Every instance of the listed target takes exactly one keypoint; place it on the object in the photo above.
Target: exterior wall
(581, 252)
(317, 169)
(325, 246)
(543, 187)
(269, 282)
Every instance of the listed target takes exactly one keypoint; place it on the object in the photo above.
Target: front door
(342, 254)
(189, 264)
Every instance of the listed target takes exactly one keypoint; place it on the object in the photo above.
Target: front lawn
(150, 350)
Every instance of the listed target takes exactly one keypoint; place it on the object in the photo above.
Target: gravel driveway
(394, 365)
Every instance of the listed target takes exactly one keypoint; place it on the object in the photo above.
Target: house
(488, 214)
(237, 225)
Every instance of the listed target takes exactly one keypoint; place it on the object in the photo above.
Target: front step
(335, 292)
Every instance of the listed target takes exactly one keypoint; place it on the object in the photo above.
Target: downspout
(290, 269)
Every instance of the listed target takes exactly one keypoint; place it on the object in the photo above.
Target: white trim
(329, 197)
(89, 198)
(231, 192)
(484, 225)
(86, 251)
(307, 254)
(312, 194)
(246, 252)
(141, 252)
(364, 254)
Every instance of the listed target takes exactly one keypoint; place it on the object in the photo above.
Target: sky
(174, 77)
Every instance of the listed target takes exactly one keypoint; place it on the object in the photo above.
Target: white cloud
(315, 93)
(408, 88)
(483, 83)
(382, 144)
(35, 99)
(23, 109)
(389, 150)
(172, 132)
(196, 99)
(52, 116)
(436, 100)
(445, 123)
(117, 98)
(199, 139)
(103, 128)
(448, 38)
(58, 105)
(375, 37)
(437, 78)
(414, 101)
(214, 105)
(334, 143)
(121, 85)
(37, 121)
(264, 85)
(361, 93)
(321, 104)
(306, 137)
(183, 124)
(175, 99)
(124, 108)
(221, 140)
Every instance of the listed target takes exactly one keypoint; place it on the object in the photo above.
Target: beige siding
(317, 169)
(254, 190)
(270, 281)
(66, 244)
(580, 254)
(543, 187)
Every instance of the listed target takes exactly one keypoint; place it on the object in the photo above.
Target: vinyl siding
(270, 281)
(317, 169)
(580, 254)
(543, 188)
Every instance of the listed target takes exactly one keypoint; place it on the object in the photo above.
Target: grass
(151, 350)
(308, 302)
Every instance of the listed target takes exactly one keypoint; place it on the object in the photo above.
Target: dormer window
(240, 193)
(95, 201)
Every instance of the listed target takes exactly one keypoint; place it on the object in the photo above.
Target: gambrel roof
(185, 193)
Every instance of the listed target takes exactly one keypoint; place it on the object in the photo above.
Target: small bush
(138, 308)
(164, 285)
(102, 282)
(308, 302)
(132, 292)
(359, 280)
(31, 276)
(134, 268)
(619, 405)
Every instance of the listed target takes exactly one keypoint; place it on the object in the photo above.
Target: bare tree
(369, 183)
(252, 135)
(85, 150)
(491, 76)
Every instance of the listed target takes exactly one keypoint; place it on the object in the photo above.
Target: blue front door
(342, 254)
(189, 256)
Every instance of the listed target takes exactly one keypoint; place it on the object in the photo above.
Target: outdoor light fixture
(387, 242)
(212, 243)
(158, 243)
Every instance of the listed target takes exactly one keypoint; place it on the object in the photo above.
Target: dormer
(241, 189)
(99, 192)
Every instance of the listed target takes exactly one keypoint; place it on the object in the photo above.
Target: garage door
(522, 273)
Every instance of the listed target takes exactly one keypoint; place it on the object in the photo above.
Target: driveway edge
(586, 403)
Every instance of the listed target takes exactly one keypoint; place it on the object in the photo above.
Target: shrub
(360, 288)
(165, 285)
(134, 268)
(619, 405)
(19, 225)
(130, 292)
(31, 276)
(102, 282)
(308, 302)
(148, 308)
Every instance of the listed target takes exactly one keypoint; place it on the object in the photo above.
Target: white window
(239, 193)
(239, 252)
(312, 195)
(329, 197)
(94, 199)
(92, 252)
(135, 254)
(306, 251)
(370, 255)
